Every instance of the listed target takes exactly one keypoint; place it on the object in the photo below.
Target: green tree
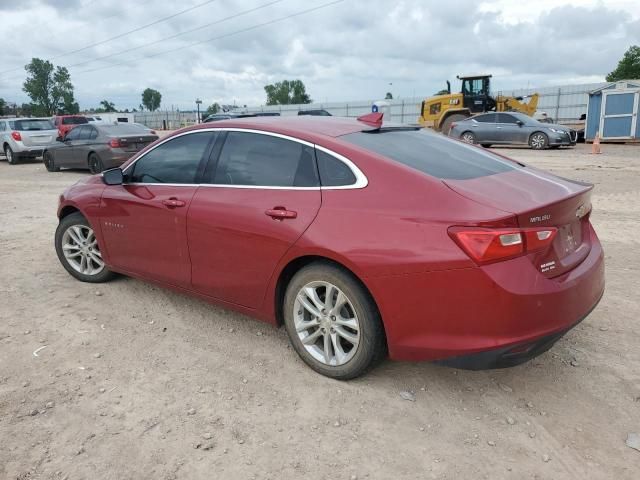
(49, 88)
(287, 92)
(212, 109)
(3, 104)
(629, 67)
(108, 106)
(151, 99)
(388, 96)
(444, 91)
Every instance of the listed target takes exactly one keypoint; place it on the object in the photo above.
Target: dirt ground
(135, 382)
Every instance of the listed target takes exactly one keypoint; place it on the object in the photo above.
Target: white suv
(25, 137)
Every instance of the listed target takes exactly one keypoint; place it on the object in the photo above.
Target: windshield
(32, 124)
(431, 153)
(74, 120)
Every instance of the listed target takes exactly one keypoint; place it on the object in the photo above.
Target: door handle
(280, 213)
(173, 203)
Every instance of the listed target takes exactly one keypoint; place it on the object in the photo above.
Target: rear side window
(432, 153)
(74, 120)
(175, 161)
(333, 172)
(85, 133)
(264, 160)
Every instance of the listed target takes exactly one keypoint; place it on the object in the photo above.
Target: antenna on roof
(372, 119)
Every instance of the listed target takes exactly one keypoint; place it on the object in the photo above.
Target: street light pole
(198, 102)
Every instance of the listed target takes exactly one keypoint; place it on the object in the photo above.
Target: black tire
(11, 157)
(78, 220)
(538, 141)
(95, 164)
(446, 124)
(371, 347)
(468, 137)
(49, 162)
(486, 145)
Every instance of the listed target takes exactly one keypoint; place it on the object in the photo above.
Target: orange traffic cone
(595, 146)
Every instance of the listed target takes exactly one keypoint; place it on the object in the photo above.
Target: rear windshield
(431, 153)
(33, 124)
(120, 129)
(74, 120)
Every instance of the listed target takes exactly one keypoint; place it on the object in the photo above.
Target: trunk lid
(38, 138)
(539, 199)
(35, 132)
(135, 143)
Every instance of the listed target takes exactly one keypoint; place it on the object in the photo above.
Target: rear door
(144, 221)
(263, 193)
(82, 145)
(485, 127)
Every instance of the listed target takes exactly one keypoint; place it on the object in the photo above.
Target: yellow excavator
(440, 111)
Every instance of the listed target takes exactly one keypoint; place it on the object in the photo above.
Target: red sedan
(364, 239)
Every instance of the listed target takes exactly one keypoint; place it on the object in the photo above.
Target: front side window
(264, 160)
(73, 134)
(506, 118)
(175, 161)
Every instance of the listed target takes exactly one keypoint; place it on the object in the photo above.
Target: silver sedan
(512, 128)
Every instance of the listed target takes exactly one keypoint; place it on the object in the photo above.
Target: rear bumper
(116, 158)
(462, 312)
(507, 356)
(29, 152)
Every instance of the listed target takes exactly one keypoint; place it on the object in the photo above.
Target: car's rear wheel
(468, 137)
(538, 141)
(49, 162)
(95, 164)
(332, 322)
(11, 157)
(78, 250)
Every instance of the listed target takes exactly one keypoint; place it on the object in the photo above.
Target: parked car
(64, 123)
(96, 147)
(94, 119)
(360, 237)
(315, 113)
(25, 137)
(512, 128)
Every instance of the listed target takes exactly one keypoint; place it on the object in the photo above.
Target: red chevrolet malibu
(364, 239)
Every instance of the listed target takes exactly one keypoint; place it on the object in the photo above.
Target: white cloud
(351, 50)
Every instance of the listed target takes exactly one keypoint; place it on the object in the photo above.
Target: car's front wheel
(11, 157)
(78, 250)
(50, 163)
(332, 322)
(538, 141)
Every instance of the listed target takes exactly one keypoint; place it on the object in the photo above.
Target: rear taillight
(487, 245)
(115, 143)
(16, 136)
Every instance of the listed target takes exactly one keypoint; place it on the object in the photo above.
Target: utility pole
(198, 102)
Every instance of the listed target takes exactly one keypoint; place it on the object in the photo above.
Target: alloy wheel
(81, 251)
(538, 141)
(469, 137)
(326, 323)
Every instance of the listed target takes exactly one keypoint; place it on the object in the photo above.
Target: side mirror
(113, 176)
(59, 138)
(520, 123)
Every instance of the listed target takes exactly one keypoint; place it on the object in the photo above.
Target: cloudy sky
(227, 50)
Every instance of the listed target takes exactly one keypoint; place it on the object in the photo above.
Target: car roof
(26, 118)
(297, 126)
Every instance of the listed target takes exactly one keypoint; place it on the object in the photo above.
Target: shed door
(619, 114)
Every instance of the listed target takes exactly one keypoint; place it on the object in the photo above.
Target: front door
(64, 153)
(262, 196)
(619, 118)
(509, 131)
(144, 221)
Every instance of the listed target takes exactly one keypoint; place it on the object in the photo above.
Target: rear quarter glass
(431, 153)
